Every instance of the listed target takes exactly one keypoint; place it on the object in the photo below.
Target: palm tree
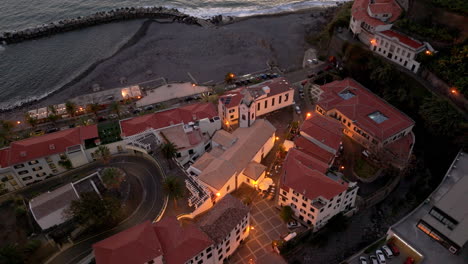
(32, 121)
(173, 187)
(52, 110)
(103, 153)
(53, 118)
(6, 132)
(115, 108)
(169, 151)
(11, 254)
(70, 107)
(112, 177)
(441, 117)
(93, 108)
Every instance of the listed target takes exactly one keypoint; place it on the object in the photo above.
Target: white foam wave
(252, 11)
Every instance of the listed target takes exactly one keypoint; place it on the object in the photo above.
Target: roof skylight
(378, 117)
(346, 94)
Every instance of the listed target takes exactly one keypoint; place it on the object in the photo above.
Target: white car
(380, 257)
(298, 109)
(388, 253)
(373, 259)
(293, 224)
(362, 260)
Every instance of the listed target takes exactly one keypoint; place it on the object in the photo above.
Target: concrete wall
(265, 149)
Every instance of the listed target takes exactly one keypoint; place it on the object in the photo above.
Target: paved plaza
(266, 227)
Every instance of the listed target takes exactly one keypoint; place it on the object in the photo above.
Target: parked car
(388, 253)
(150, 107)
(362, 260)
(293, 224)
(38, 132)
(52, 130)
(301, 95)
(409, 260)
(393, 248)
(380, 256)
(373, 259)
(113, 116)
(298, 109)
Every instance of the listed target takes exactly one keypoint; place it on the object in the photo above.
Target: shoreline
(135, 39)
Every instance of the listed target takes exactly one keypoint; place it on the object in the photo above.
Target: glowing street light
(231, 75)
(341, 167)
(252, 228)
(453, 91)
(309, 115)
(227, 123)
(18, 122)
(218, 194)
(428, 52)
(277, 138)
(194, 85)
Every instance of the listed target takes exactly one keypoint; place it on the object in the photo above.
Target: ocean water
(33, 69)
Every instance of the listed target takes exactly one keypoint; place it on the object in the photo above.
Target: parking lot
(400, 259)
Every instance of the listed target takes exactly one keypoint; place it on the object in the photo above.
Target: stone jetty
(114, 15)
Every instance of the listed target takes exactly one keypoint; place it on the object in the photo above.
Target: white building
(189, 128)
(34, 159)
(314, 194)
(49, 209)
(243, 105)
(235, 158)
(209, 239)
(371, 21)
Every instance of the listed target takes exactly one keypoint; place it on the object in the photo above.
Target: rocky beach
(172, 50)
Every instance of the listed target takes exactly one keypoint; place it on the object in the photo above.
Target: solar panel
(228, 100)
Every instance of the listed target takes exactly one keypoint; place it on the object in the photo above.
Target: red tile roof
(169, 117)
(401, 148)
(302, 173)
(45, 145)
(313, 150)
(359, 11)
(180, 244)
(402, 39)
(357, 108)
(235, 97)
(277, 86)
(138, 244)
(324, 129)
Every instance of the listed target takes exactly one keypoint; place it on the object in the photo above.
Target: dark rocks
(113, 15)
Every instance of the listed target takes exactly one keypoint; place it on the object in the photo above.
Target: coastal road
(152, 203)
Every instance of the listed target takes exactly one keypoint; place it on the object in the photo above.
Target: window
(209, 255)
(346, 94)
(178, 155)
(304, 205)
(27, 178)
(243, 117)
(232, 110)
(377, 117)
(295, 193)
(321, 210)
(231, 117)
(273, 101)
(294, 199)
(18, 166)
(266, 103)
(312, 210)
(237, 239)
(284, 192)
(258, 107)
(37, 168)
(41, 174)
(227, 249)
(190, 152)
(220, 258)
(279, 99)
(23, 172)
(286, 97)
(227, 188)
(329, 205)
(32, 162)
(200, 262)
(443, 218)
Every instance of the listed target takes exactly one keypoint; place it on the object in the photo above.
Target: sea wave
(254, 11)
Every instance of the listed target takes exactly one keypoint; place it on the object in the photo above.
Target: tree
(53, 118)
(52, 110)
(112, 177)
(286, 213)
(91, 210)
(65, 163)
(10, 254)
(32, 121)
(6, 132)
(441, 117)
(115, 108)
(93, 108)
(103, 153)
(70, 107)
(169, 151)
(174, 188)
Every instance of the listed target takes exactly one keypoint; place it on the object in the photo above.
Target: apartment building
(189, 127)
(34, 159)
(365, 117)
(371, 21)
(243, 105)
(437, 230)
(314, 194)
(235, 158)
(208, 239)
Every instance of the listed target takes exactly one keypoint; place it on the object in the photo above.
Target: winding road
(150, 176)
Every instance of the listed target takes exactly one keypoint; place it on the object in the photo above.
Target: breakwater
(98, 18)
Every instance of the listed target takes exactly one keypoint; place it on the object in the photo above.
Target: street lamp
(18, 122)
(309, 115)
(277, 138)
(453, 91)
(341, 167)
(218, 194)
